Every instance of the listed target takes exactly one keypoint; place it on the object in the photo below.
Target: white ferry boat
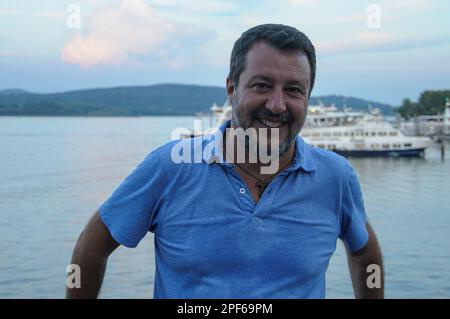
(349, 133)
(359, 134)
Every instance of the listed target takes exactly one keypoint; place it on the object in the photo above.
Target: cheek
(242, 113)
(248, 108)
(298, 112)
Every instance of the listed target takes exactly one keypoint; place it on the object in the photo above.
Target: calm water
(55, 172)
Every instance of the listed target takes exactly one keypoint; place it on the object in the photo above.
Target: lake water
(55, 172)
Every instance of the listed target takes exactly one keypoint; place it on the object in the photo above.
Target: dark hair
(280, 36)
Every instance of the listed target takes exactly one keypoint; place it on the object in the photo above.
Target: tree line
(429, 103)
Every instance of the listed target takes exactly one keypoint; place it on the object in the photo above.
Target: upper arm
(371, 247)
(129, 213)
(354, 230)
(97, 238)
(366, 268)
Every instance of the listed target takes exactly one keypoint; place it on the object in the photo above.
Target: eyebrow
(267, 79)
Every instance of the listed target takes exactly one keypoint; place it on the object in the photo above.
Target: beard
(244, 121)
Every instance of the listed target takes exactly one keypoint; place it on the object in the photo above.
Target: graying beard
(283, 148)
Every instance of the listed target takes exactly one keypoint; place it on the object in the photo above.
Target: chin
(279, 148)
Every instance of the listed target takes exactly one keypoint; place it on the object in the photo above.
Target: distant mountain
(12, 91)
(161, 99)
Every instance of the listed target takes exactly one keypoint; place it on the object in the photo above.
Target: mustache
(264, 113)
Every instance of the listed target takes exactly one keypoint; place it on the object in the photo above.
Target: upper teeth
(271, 123)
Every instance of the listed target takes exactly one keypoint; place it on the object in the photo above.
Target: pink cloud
(117, 34)
(376, 41)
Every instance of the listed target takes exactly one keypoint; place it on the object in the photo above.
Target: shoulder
(161, 154)
(178, 154)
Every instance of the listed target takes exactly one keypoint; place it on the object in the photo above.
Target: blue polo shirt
(213, 241)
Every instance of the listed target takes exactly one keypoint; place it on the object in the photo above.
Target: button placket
(244, 195)
(264, 204)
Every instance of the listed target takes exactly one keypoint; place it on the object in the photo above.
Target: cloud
(199, 6)
(131, 31)
(376, 41)
(7, 53)
(8, 12)
(361, 18)
(50, 14)
(409, 4)
(302, 2)
(363, 41)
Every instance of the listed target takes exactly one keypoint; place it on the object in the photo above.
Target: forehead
(263, 59)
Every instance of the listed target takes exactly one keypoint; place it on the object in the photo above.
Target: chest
(223, 229)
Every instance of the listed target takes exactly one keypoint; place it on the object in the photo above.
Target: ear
(230, 88)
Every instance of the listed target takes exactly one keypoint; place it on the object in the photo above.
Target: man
(224, 229)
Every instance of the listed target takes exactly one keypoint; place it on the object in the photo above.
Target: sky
(382, 51)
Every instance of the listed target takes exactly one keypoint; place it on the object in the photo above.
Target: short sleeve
(128, 213)
(353, 222)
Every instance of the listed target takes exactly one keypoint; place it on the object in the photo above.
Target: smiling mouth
(271, 124)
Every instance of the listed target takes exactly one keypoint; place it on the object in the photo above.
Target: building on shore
(434, 126)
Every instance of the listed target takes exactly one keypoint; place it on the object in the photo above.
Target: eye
(261, 86)
(295, 90)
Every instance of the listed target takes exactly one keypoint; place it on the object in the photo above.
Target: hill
(161, 99)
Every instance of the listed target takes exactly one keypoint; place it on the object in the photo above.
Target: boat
(347, 132)
(359, 134)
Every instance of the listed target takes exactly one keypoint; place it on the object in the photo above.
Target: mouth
(270, 123)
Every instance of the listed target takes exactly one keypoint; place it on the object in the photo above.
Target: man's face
(272, 92)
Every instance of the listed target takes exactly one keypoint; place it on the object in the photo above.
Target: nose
(275, 103)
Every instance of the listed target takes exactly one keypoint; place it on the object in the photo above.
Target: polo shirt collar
(303, 157)
(216, 155)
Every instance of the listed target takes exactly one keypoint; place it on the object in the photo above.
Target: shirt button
(242, 190)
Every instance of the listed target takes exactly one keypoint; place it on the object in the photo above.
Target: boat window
(407, 145)
(393, 133)
(305, 134)
(345, 133)
(385, 145)
(373, 133)
(326, 134)
(316, 134)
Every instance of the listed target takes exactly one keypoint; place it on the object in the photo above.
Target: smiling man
(223, 229)
(270, 93)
